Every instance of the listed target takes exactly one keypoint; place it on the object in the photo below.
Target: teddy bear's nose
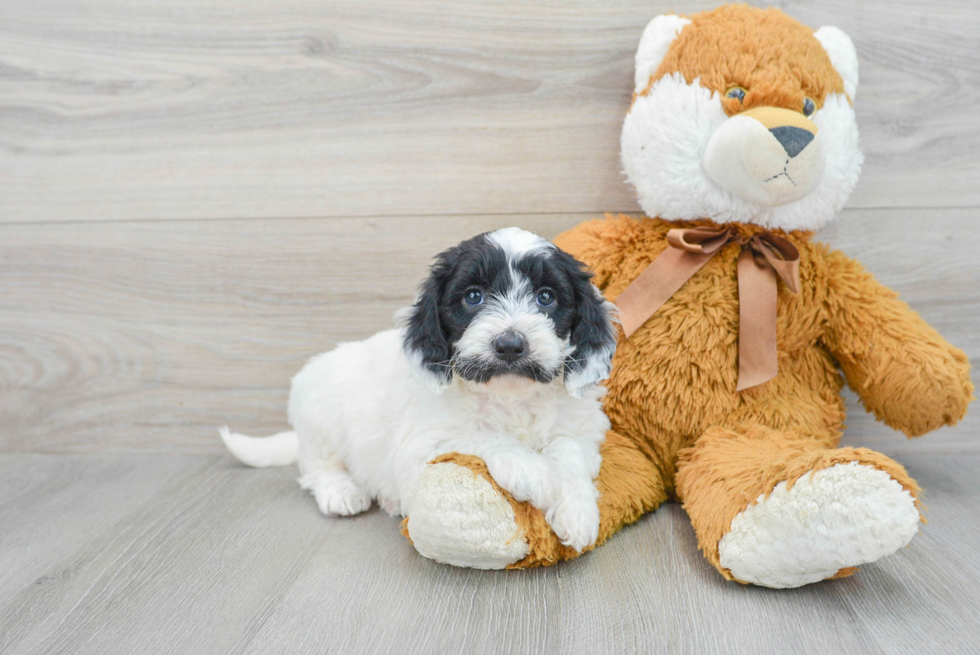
(793, 139)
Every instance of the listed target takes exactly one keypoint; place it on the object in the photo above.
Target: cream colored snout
(766, 155)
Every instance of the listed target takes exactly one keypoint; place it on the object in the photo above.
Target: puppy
(499, 357)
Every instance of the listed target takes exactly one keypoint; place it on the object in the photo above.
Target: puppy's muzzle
(767, 155)
(510, 346)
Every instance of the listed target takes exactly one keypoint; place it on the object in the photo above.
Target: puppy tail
(278, 450)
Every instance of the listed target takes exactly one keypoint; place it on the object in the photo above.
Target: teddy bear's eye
(736, 92)
(809, 106)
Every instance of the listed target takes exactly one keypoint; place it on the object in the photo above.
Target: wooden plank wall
(196, 196)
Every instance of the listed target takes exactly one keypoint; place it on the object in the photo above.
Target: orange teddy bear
(725, 396)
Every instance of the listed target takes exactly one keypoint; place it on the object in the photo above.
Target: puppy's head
(509, 303)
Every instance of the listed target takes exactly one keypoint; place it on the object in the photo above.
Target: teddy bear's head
(743, 115)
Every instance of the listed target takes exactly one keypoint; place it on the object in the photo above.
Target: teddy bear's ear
(656, 40)
(842, 55)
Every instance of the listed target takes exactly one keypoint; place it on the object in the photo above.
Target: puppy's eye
(809, 106)
(473, 297)
(546, 297)
(736, 92)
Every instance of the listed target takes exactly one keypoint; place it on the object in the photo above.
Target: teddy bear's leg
(460, 516)
(780, 509)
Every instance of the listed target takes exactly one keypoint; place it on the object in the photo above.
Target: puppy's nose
(510, 346)
(793, 139)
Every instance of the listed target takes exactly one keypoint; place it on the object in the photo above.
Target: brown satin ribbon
(763, 257)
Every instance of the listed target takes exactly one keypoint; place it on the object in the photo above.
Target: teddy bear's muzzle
(766, 155)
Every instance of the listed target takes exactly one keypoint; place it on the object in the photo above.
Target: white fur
(654, 44)
(367, 427)
(516, 242)
(842, 55)
(434, 383)
(841, 516)
(666, 135)
(278, 450)
(458, 518)
(664, 140)
(514, 311)
(369, 416)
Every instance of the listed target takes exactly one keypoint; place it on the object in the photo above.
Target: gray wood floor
(196, 554)
(197, 196)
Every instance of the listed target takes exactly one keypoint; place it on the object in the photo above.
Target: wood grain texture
(216, 558)
(148, 335)
(145, 336)
(197, 196)
(111, 109)
(50, 507)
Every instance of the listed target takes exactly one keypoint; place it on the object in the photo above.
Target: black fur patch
(440, 316)
(592, 331)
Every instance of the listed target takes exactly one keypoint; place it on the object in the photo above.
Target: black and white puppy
(499, 357)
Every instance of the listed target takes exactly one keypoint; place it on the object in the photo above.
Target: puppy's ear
(593, 335)
(426, 343)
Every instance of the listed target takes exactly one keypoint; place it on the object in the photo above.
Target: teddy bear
(738, 329)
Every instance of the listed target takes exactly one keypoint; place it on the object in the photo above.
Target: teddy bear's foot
(459, 518)
(836, 518)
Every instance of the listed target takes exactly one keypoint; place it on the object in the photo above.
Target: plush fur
(499, 357)
(773, 500)
(682, 110)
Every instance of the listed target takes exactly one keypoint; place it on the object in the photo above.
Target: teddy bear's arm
(903, 370)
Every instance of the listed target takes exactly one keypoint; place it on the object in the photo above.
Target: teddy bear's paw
(457, 517)
(841, 516)
(575, 520)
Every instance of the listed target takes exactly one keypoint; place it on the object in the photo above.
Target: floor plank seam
(598, 213)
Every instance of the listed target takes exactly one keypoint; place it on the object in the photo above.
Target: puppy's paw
(337, 494)
(526, 479)
(575, 520)
(391, 506)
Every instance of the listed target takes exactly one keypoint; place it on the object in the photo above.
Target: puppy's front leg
(523, 473)
(575, 517)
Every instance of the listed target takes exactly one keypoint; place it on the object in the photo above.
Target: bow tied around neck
(764, 256)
